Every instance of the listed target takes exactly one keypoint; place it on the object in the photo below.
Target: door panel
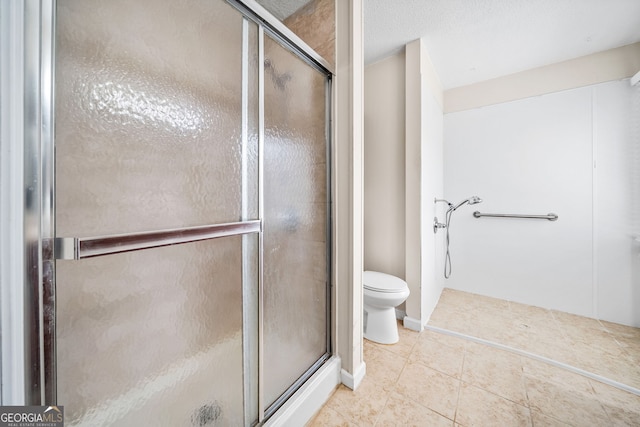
(295, 218)
(151, 135)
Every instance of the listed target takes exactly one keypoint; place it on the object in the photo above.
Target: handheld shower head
(471, 200)
(447, 259)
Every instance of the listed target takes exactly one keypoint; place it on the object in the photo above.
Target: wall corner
(348, 189)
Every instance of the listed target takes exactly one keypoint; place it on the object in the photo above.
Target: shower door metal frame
(270, 25)
(32, 30)
(36, 317)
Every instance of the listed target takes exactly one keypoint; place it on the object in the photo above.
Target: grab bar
(550, 216)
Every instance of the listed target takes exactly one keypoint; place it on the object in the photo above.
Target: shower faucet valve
(437, 225)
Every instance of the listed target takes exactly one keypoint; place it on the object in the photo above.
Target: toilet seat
(381, 282)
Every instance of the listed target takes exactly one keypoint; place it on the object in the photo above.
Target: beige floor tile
(400, 411)
(542, 341)
(438, 356)
(408, 339)
(478, 407)
(503, 331)
(361, 407)
(596, 343)
(464, 322)
(530, 312)
(541, 420)
(419, 380)
(551, 347)
(550, 373)
(535, 320)
(494, 370)
(565, 403)
(572, 323)
(383, 366)
(630, 344)
(621, 331)
(327, 417)
(451, 341)
(454, 298)
(618, 368)
(430, 388)
(368, 347)
(490, 305)
(622, 407)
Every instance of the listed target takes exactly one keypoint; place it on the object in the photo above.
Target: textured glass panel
(153, 337)
(295, 219)
(153, 131)
(148, 115)
(251, 121)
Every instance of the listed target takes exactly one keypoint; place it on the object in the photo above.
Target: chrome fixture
(436, 225)
(471, 200)
(549, 216)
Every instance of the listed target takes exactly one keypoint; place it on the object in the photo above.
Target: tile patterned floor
(603, 348)
(434, 379)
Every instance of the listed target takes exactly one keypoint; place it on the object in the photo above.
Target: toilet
(382, 293)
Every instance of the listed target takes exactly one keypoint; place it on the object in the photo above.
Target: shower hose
(447, 257)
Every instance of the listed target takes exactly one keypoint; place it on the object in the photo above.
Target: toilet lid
(382, 282)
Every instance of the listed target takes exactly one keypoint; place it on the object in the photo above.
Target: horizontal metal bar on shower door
(74, 248)
(550, 216)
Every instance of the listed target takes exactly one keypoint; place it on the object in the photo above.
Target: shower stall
(184, 214)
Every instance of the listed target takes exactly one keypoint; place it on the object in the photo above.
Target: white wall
(432, 187)
(616, 118)
(423, 181)
(537, 155)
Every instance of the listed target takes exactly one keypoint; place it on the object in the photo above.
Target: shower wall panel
(532, 156)
(315, 24)
(570, 153)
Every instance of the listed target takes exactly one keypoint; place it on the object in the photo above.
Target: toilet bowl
(382, 293)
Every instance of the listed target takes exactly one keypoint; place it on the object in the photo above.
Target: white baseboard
(413, 324)
(307, 401)
(353, 381)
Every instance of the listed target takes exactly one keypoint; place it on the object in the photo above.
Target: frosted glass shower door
(295, 221)
(156, 136)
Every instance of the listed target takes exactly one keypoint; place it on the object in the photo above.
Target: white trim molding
(353, 381)
(413, 324)
(310, 398)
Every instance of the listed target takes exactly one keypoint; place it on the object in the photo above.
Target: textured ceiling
(474, 40)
